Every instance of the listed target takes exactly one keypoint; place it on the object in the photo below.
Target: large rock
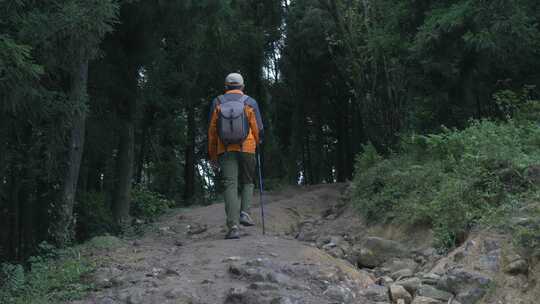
(336, 252)
(375, 293)
(307, 232)
(469, 287)
(339, 293)
(279, 278)
(398, 292)
(518, 266)
(384, 281)
(401, 274)
(490, 261)
(374, 251)
(425, 300)
(241, 295)
(354, 253)
(429, 291)
(368, 258)
(397, 264)
(410, 284)
(430, 278)
(249, 273)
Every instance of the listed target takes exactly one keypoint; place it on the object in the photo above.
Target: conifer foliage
(104, 104)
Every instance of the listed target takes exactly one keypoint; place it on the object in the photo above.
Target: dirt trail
(316, 251)
(186, 260)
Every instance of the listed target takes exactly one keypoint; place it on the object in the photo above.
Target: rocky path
(316, 251)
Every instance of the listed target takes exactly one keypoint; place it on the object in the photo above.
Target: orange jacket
(216, 147)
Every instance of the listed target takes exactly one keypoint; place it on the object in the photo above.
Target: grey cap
(234, 79)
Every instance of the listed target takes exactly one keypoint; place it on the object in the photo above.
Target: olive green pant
(237, 169)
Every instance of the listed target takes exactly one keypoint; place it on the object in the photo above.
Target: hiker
(234, 133)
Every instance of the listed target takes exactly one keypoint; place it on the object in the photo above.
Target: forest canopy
(104, 104)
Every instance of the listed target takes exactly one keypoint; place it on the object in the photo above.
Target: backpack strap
(218, 106)
(219, 102)
(244, 99)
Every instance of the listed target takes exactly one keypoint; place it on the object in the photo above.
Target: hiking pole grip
(261, 189)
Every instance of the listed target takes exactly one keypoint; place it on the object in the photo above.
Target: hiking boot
(245, 219)
(233, 233)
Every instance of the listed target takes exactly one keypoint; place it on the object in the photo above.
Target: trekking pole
(261, 189)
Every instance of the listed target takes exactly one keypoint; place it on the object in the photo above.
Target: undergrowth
(58, 275)
(55, 276)
(454, 180)
(147, 205)
(94, 216)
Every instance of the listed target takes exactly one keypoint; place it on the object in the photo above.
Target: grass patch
(104, 242)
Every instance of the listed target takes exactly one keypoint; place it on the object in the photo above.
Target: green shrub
(451, 180)
(94, 216)
(147, 205)
(520, 105)
(48, 280)
(368, 158)
(13, 280)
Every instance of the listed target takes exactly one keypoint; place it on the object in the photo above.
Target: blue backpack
(233, 124)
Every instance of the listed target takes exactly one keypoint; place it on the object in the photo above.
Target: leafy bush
(147, 205)
(48, 280)
(450, 180)
(94, 216)
(368, 158)
(519, 106)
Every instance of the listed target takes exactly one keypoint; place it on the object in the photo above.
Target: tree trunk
(124, 171)
(62, 232)
(189, 170)
(309, 167)
(146, 128)
(341, 147)
(304, 163)
(141, 156)
(93, 177)
(125, 156)
(13, 216)
(109, 169)
(318, 158)
(28, 219)
(83, 177)
(347, 132)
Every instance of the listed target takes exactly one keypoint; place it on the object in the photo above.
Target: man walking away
(235, 130)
